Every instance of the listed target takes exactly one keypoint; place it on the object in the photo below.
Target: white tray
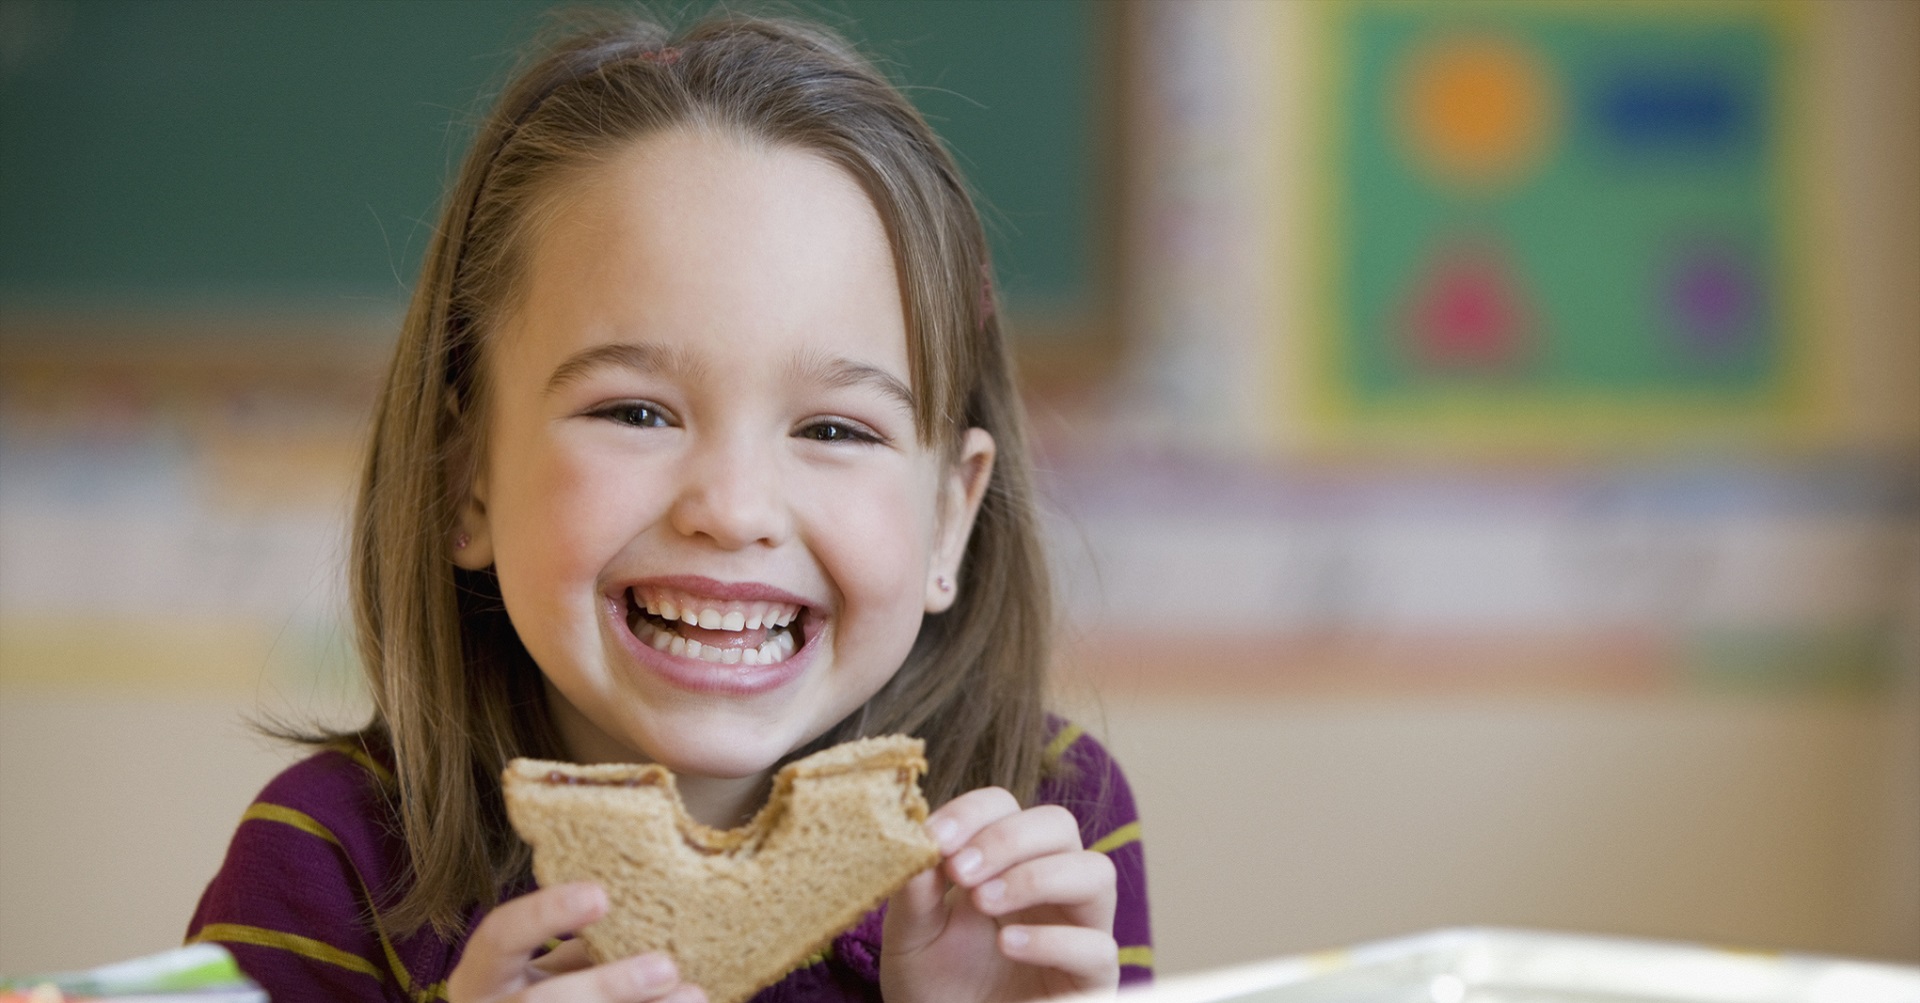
(1518, 966)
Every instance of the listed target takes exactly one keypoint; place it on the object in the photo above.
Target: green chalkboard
(157, 154)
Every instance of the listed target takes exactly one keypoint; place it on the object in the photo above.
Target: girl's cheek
(889, 508)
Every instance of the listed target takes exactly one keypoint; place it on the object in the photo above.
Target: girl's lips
(720, 591)
(718, 615)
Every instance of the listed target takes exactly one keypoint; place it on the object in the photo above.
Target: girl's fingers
(640, 979)
(959, 820)
(1079, 884)
(568, 957)
(1090, 959)
(1014, 839)
(496, 955)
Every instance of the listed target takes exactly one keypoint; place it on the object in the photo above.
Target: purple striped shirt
(317, 861)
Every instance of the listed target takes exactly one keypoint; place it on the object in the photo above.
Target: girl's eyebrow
(839, 372)
(836, 372)
(641, 356)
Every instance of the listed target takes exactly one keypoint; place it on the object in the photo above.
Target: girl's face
(714, 526)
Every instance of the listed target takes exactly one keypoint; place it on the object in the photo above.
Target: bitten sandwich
(736, 909)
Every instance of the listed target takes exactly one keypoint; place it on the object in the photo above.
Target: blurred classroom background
(1481, 441)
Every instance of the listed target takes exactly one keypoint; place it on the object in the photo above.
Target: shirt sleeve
(292, 902)
(1085, 780)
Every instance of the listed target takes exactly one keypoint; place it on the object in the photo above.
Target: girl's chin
(696, 738)
(730, 752)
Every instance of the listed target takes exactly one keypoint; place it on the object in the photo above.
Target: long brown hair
(455, 694)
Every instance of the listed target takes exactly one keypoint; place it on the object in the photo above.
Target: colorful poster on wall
(1554, 223)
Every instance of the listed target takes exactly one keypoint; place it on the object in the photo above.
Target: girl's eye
(639, 414)
(837, 431)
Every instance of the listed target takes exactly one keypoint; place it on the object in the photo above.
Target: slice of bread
(737, 909)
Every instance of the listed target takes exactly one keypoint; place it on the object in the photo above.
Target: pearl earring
(945, 583)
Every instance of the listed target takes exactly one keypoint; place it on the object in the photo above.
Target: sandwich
(736, 909)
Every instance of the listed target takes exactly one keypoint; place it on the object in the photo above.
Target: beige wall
(117, 809)
(1283, 827)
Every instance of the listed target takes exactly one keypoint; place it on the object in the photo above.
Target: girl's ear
(959, 503)
(472, 543)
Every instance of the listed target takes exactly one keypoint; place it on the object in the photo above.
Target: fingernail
(652, 970)
(943, 830)
(1014, 938)
(966, 863)
(993, 890)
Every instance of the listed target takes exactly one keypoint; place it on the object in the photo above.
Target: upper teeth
(719, 616)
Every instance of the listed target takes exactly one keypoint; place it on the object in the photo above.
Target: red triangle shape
(1466, 314)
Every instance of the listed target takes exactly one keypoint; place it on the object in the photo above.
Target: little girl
(700, 447)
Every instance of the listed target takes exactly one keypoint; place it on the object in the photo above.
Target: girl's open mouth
(722, 632)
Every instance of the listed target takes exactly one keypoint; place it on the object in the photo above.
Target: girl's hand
(1018, 910)
(498, 966)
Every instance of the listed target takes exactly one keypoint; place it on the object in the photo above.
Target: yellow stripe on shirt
(813, 959)
(353, 751)
(267, 812)
(1062, 742)
(1138, 957)
(1129, 833)
(306, 947)
(400, 973)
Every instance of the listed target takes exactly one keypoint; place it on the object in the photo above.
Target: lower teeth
(776, 648)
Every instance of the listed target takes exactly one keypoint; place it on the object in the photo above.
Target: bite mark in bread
(736, 908)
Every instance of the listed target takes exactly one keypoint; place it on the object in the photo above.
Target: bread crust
(736, 908)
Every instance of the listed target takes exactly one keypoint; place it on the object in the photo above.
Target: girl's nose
(731, 496)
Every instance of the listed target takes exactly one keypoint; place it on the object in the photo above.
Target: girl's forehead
(716, 244)
(697, 188)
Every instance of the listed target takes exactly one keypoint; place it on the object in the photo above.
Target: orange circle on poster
(1476, 109)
